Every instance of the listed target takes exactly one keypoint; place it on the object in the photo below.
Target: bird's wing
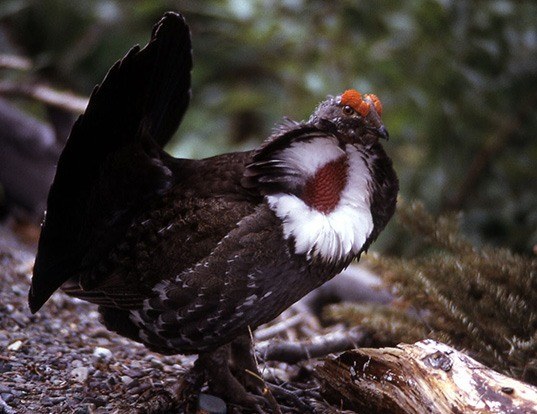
(160, 244)
(247, 280)
(112, 165)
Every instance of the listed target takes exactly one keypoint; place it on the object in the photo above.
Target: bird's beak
(380, 131)
(375, 125)
(383, 132)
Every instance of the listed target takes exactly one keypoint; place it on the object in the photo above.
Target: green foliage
(480, 299)
(458, 81)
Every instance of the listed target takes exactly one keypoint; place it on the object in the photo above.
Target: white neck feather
(342, 232)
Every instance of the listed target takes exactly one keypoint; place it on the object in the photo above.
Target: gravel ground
(62, 360)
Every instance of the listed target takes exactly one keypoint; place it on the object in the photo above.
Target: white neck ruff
(333, 236)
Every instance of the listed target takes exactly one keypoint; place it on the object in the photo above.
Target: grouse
(183, 255)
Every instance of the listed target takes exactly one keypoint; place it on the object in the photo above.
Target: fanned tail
(113, 163)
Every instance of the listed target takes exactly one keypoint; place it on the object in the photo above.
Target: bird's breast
(322, 191)
(331, 219)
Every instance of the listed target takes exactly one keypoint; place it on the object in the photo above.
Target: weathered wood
(426, 377)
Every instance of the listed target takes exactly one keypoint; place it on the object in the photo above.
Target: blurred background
(458, 81)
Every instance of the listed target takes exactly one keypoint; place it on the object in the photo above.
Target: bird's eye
(347, 110)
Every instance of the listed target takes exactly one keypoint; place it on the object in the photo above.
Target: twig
(293, 352)
(64, 100)
(290, 396)
(273, 330)
(15, 62)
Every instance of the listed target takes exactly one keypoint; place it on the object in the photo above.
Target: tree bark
(426, 377)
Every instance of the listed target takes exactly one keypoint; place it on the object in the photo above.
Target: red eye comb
(353, 98)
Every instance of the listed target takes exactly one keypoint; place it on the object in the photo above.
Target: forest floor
(62, 360)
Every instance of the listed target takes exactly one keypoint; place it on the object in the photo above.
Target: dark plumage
(186, 255)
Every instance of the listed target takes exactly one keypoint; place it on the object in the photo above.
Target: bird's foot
(243, 387)
(162, 402)
(182, 398)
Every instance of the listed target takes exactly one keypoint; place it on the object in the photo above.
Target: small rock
(46, 402)
(15, 346)
(5, 367)
(7, 397)
(80, 374)
(125, 379)
(139, 389)
(211, 404)
(133, 373)
(19, 318)
(155, 363)
(84, 409)
(102, 353)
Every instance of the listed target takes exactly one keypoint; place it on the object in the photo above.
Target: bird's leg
(244, 364)
(246, 370)
(221, 381)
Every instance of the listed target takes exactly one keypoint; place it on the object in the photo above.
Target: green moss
(483, 300)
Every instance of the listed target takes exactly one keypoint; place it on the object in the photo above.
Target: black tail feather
(112, 163)
(119, 321)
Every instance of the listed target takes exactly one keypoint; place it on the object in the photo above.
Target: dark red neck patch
(323, 191)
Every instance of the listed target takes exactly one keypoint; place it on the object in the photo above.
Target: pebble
(125, 379)
(46, 402)
(102, 353)
(80, 374)
(14, 346)
(7, 397)
(133, 373)
(139, 389)
(97, 402)
(211, 404)
(84, 409)
(20, 318)
(5, 367)
(156, 363)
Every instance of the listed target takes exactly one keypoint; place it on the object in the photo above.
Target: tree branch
(15, 62)
(320, 346)
(64, 100)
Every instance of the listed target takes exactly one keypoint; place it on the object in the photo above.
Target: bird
(187, 256)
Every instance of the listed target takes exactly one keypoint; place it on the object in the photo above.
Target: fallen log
(425, 377)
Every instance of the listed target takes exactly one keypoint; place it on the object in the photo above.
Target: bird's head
(328, 179)
(356, 117)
